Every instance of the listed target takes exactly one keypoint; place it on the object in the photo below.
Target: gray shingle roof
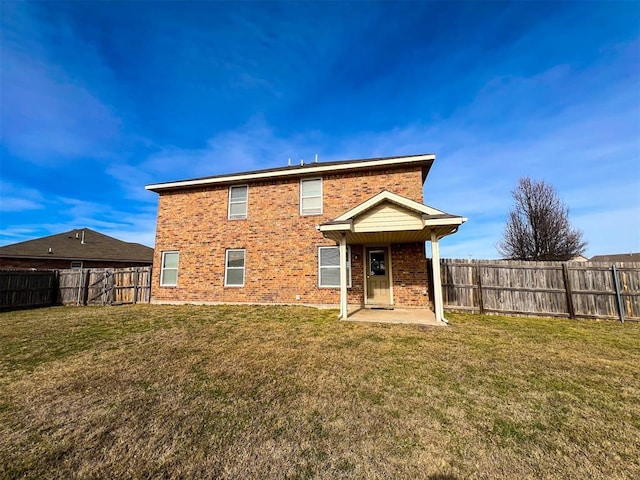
(618, 257)
(293, 169)
(69, 246)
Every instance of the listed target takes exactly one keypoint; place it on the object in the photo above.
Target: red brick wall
(281, 246)
(409, 271)
(55, 264)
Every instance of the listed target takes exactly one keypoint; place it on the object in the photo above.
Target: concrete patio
(410, 316)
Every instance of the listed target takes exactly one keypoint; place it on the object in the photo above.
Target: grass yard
(286, 392)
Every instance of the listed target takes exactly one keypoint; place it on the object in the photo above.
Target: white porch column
(343, 276)
(437, 285)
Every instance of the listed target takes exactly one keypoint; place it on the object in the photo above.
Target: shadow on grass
(442, 476)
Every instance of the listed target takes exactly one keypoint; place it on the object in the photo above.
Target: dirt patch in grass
(286, 392)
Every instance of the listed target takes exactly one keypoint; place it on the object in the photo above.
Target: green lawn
(286, 392)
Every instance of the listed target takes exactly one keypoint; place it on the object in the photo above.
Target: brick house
(78, 248)
(332, 233)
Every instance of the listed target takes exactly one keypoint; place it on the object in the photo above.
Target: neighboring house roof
(579, 258)
(79, 244)
(618, 257)
(313, 168)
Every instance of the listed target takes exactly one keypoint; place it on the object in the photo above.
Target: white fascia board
(289, 173)
(339, 227)
(436, 222)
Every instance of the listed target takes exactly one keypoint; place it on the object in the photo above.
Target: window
(311, 197)
(238, 202)
(169, 271)
(329, 267)
(234, 268)
(76, 265)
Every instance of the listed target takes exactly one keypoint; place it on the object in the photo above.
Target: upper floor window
(238, 201)
(169, 270)
(311, 196)
(234, 268)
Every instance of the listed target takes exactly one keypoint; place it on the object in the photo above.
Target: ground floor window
(234, 268)
(169, 270)
(329, 267)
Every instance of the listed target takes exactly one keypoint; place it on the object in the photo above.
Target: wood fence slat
(569, 289)
(23, 289)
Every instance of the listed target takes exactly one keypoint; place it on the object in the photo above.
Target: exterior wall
(57, 264)
(409, 270)
(281, 246)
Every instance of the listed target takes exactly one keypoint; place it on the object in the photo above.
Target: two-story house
(333, 233)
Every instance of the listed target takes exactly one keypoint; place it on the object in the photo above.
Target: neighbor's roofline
(308, 169)
(78, 258)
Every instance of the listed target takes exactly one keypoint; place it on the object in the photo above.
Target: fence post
(136, 279)
(105, 287)
(568, 291)
(479, 284)
(55, 296)
(85, 287)
(80, 273)
(617, 288)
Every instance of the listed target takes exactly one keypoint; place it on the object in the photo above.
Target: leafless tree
(538, 226)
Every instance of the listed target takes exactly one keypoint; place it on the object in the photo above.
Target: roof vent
(50, 250)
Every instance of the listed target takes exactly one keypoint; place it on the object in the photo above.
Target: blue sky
(98, 99)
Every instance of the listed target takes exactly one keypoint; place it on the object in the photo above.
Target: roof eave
(286, 172)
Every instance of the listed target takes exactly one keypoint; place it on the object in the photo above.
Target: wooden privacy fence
(571, 289)
(21, 289)
(104, 286)
(95, 286)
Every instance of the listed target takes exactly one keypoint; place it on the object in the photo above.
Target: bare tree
(538, 226)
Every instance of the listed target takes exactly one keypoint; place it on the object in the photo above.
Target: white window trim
(302, 180)
(335, 266)
(227, 267)
(246, 202)
(163, 269)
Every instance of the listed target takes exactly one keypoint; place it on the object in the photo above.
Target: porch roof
(391, 218)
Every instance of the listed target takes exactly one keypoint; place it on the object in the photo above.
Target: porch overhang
(389, 234)
(388, 218)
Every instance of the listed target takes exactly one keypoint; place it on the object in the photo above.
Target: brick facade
(281, 245)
